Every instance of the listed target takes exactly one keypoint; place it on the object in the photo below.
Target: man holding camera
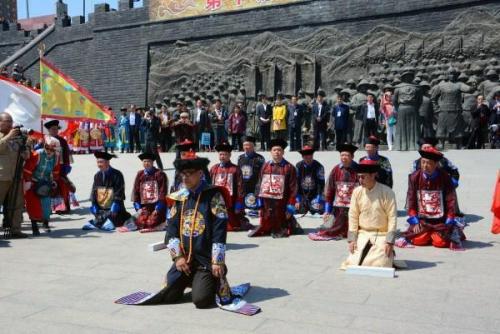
(10, 145)
(151, 126)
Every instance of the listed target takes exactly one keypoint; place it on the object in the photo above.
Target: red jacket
(237, 123)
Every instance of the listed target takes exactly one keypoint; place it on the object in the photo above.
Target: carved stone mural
(309, 58)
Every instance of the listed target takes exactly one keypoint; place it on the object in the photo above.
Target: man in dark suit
(340, 119)
(134, 118)
(201, 122)
(371, 115)
(264, 113)
(151, 127)
(494, 121)
(295, 116)
(320, 117)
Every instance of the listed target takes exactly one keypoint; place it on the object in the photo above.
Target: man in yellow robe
(279, 118)
(372, 221)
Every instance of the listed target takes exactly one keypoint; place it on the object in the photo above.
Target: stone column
(125, 4)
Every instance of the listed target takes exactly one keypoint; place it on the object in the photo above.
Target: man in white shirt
(134, 118)
(370, 116)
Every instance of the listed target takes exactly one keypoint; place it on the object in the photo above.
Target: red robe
(277, 190)
(229, 178)
(38, 209)
(432, 200)
(150, 190)
(61, 202)
(339, 188)
(495, 208)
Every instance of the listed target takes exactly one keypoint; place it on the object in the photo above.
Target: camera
(24, 131)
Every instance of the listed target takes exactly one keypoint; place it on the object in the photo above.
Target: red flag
(495, 207)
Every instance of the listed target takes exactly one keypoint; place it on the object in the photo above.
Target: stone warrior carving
(447, 101)
(407, 101)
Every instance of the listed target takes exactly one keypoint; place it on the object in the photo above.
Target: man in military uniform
(310, 183)
(447, 101)
(250, 163)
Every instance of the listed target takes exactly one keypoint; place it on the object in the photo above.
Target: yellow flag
(62, 98)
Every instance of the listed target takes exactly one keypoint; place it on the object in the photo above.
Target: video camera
(24, 131)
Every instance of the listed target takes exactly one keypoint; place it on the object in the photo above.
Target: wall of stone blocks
(109, 54)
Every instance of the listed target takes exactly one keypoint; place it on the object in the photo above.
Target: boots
(34, 228)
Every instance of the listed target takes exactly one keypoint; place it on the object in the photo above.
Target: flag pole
(41, 51)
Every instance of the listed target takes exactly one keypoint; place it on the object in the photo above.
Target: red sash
(149, 192)
(430, 204)
(343, 193)
(272, 186)
(224, 180)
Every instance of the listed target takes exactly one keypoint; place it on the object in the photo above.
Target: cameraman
(151, 127)
(10, 144)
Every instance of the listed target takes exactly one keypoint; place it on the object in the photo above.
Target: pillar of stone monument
(101, 7)
(61, 9)
(125, 4)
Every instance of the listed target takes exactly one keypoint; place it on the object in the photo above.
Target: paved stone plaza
(66, 282)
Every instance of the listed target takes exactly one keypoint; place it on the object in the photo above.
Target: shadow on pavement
(308, 230)
(80, 211)
(416, 265)
(84, 200)
(71, 233)
(473, 218)
(3, 242)
(57, 218)
(258, 294)
(240, 246)
(468, 244)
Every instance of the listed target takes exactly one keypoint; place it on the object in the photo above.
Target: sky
(47, 7)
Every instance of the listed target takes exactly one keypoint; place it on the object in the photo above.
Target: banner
(174, 9)
(62, 98)
(22, 103)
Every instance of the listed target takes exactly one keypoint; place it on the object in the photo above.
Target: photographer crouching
(12, 155)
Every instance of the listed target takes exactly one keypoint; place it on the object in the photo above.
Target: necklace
(193, 223)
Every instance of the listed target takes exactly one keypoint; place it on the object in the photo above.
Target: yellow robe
(279, 117)
(372, 218)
